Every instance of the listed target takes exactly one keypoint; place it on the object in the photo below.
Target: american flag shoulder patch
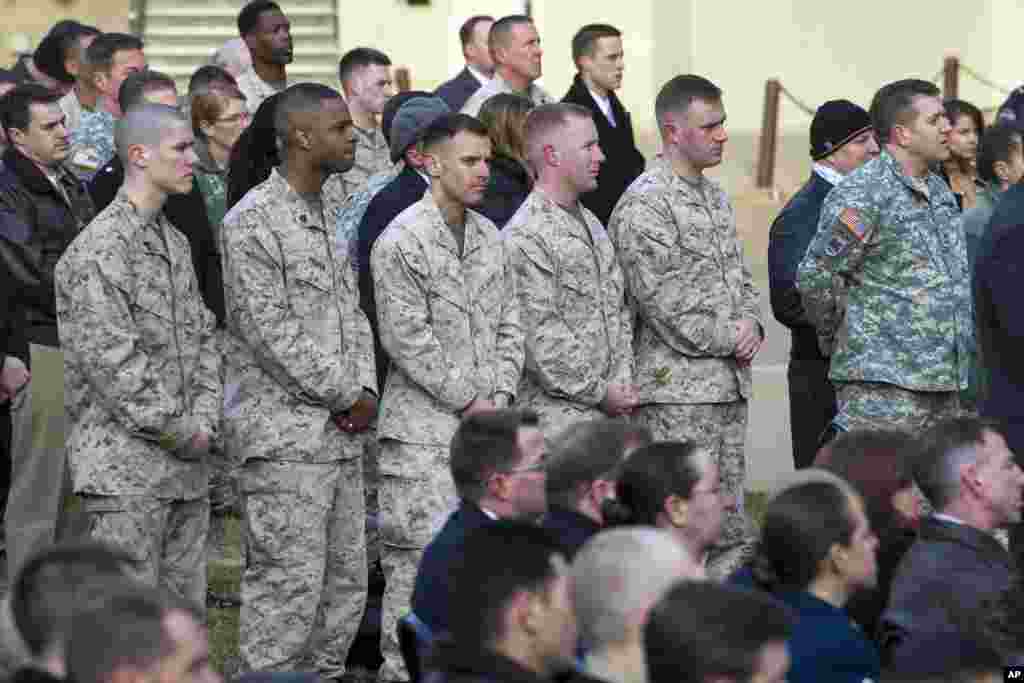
(851, 219)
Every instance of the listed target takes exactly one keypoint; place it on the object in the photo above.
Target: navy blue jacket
(405, 190)
(948, 574)
(623, 162)
(507, 189)
(430, 593)
(452, 663)
(826, 645)
(790, 236)
(570, 527)
(457, 91)
(999, 312)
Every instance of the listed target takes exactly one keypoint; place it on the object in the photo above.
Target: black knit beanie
(835, 123)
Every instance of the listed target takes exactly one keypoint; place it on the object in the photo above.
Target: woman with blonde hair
(511, 178)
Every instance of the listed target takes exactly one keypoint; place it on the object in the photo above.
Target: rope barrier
(983, 80)
(803, 106)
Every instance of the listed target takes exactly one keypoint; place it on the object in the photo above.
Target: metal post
(950, 77)
(769, 135)
(403, 79)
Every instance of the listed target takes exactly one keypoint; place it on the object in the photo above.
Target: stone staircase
(181, 35)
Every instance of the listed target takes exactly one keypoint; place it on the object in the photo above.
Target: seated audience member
(511, 610)
(186, 212)
(617, 577)
(710, 633)
(581, 474)
(219, 116)
(672, 485)
(52, 587)
(479, 69)
(956, 565)
(511, 178)
(497, 462)
(878, 465)
(255, 152)
(960, 170)
(138, 636)
(816, 550)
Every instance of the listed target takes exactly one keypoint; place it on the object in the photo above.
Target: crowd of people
(473, 341)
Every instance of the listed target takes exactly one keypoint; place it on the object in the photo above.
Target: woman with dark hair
(511, 179)
(961, 169)
(816, 551)
(877, 463)
(673, 486)
(254, 154)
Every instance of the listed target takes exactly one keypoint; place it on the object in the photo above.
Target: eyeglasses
(234, 118)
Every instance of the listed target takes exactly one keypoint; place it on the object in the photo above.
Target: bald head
(299, 105)
(618, 575)
(145, 125)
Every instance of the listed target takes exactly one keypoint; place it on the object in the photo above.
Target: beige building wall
(26, 21)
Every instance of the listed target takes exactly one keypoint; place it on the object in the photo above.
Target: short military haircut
(301, 98)
(145, 124)
(676, 96)
(502, 29)
(653, 473)
(469, 26)
(585, 40)
(945, 448)
(450, 125)
(484, 444)
(208, 77)
(545, 121)
(100, 53)
(894, 104)
(703, 630)
(587, 451)
(359, 58)
(496, 563)
(16, 106)
(249, 17)
(56, 583)
(139, 84)
(997, 144)
(127, 629)
(620, 573)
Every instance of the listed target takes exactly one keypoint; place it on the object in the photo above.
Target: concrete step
(202, 29)
(230, 14)
(165, 51)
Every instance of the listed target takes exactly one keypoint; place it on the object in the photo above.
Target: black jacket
(452, 663)
(1000, 314)
(570, 527)
(948, 574)
(457, 91)
(187, 213)
(405, 190)
(791, 234)
(430, 594)
(623, 162)
(507, 189)
(36, 225)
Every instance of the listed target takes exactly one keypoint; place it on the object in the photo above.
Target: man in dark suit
(497, 462)
(841, 140)
(597, 51)
(479, 65)
(956, 566)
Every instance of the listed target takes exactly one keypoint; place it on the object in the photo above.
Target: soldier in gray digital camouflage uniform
(699, 314)
(577, 326)
(449, 321)
(886, 280)
(301, 397)
(144, 363)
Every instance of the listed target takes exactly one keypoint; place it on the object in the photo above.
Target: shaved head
(297, 106)
(545, 126)
(145, 124)
(619, 575)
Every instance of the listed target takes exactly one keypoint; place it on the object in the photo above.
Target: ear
(900, 135)
(677, 510)
(498, 486)
(15, 135)
(206, 127)
(1002, 170)
(432, 164)
(969, 479)
(303, 138)
(528, 608)
(836, 558)
(138, 155)
(99, 81)
(551, 156)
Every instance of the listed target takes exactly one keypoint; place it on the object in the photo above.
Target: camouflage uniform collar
(921, 186)
(695, 191)
(302, 212)
(471, 239)
(123, 203)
